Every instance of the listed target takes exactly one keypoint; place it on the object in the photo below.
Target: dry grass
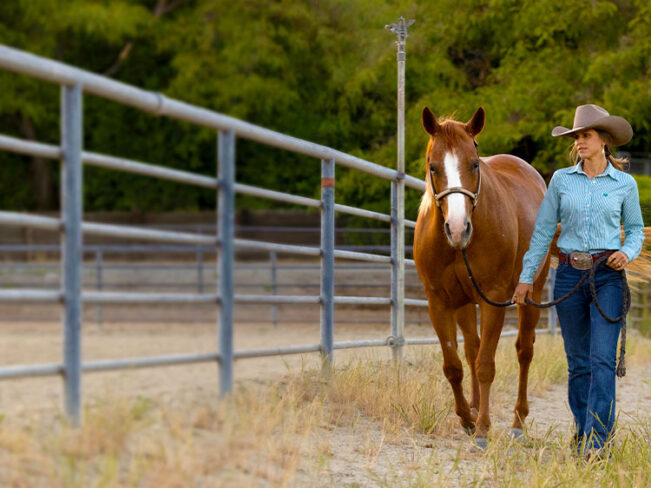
(393, 425)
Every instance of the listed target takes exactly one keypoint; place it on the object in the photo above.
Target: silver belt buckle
(581, 260)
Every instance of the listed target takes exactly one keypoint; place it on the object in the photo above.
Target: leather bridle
(474, 197)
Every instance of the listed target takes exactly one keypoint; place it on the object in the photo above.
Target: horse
(487, 206)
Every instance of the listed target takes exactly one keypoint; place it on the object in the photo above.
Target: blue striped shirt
(590, 212)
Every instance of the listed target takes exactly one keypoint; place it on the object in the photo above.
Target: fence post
(225, 226)
(274, 290)
(99, 263)
(71, 243)
(397, 269)
(398, 201)
(199, 256)
(327, 259)
(552, 317)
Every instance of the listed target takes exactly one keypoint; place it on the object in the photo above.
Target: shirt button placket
(586, 235)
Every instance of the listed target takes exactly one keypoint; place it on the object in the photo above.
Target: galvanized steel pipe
(327, 259)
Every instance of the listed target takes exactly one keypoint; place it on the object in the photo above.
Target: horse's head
(453, 173)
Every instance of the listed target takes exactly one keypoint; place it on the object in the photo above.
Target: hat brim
(618, 127)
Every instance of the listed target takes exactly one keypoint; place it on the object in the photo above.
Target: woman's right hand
(522, 291)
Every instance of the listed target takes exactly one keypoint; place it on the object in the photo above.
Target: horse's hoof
(469, 430)
(481, 444)
(516, 433)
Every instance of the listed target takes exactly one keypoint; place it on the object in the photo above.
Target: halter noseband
(474, 197)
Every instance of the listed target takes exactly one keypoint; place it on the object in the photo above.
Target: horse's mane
(451, 132)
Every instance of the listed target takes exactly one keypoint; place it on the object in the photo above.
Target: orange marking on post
(327, 182)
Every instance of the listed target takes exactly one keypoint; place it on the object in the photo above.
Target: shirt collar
(610, 170)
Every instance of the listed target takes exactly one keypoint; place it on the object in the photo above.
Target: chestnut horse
(487, 206)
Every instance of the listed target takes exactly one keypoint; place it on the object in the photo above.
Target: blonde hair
(619, 163)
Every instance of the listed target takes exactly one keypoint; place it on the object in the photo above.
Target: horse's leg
(492, 320)
(444, 322)
(527, 319)
(467, 319)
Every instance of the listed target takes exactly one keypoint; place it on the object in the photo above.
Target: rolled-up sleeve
(543, 233)
(633, 223)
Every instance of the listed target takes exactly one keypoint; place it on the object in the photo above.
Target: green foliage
(322, 71)
(644, 188)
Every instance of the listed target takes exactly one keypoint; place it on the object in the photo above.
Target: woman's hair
(619, 163)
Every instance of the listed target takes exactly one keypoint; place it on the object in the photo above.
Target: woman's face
(588, 144)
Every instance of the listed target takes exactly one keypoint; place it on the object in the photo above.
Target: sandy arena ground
(188, 385)
(39, 343)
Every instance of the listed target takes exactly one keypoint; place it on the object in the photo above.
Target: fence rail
(74, 84)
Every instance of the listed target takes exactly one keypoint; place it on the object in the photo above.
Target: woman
(590, 200)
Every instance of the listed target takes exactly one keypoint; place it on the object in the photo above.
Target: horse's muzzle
(458, 239)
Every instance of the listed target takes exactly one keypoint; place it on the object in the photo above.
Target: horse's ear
(476, 123)
(430, 124)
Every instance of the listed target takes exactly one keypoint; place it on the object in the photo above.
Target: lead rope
(589, 274)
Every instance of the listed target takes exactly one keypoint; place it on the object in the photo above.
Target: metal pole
(398, 200)
(199, 256)
(397, 276)
(226, 225)
(400, 30)
(98, 267)
(327, 259)
(274, 288)
(71, 244)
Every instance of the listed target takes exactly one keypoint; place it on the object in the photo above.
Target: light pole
(400, 30)
(398, 203)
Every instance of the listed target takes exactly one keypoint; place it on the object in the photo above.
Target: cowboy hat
(594, 117)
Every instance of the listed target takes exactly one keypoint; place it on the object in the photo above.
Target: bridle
(474, 197)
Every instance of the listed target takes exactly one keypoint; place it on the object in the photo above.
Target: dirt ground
(41, 343)
(185, 385)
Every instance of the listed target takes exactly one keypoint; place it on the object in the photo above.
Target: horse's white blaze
(456, 217)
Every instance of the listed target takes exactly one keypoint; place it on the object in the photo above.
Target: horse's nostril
(468, 228)
(447, 229)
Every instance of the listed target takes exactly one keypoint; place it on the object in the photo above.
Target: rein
(588, 275)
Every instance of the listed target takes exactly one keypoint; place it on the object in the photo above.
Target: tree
(321, 70)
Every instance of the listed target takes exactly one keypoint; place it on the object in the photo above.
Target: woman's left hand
(617, 260)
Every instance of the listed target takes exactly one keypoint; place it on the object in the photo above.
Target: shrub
(644, 187)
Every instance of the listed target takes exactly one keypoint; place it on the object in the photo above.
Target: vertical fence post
(398, 201)
(199, 256)
(71, 244)
(327, 259)
(225, 226)
(552, 317)
(98, 270)
(397, 269)
(274, 288)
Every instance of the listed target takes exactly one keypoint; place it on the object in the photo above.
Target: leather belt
(572, 259)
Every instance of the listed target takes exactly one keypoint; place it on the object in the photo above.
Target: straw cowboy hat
(594, 117)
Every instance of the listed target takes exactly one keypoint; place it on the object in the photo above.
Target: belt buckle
(581, 260)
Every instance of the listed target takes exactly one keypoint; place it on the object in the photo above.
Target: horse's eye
(433, 170)
(475, 165)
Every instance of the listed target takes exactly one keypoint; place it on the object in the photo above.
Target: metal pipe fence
(190, 272)
(76, 82)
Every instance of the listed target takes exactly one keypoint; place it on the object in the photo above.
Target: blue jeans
(591, 348)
